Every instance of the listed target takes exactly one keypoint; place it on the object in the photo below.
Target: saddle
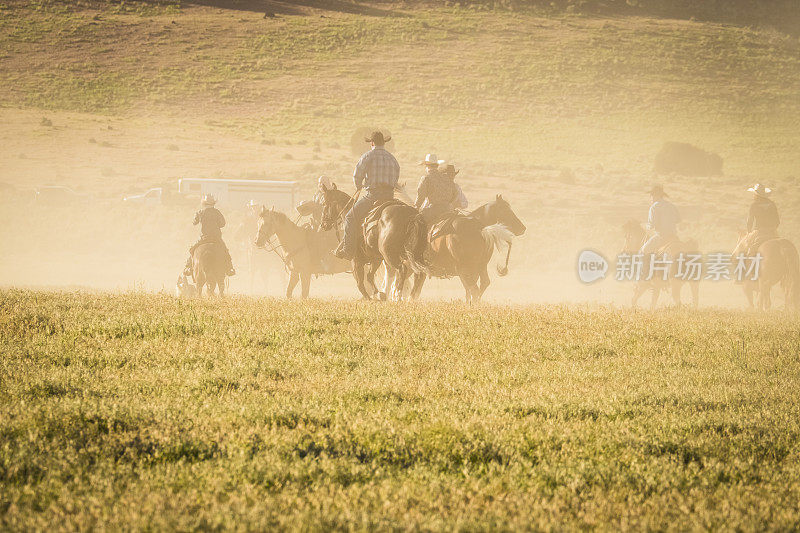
(667, 246)
(755, 239)
(375, 214)
(443, 225)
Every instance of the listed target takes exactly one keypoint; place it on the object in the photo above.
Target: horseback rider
(323, 183)
(762, 220)
(211, 223)
(245, 232)
(460, 201)
(437, 192)
(377, 172)
(663, 219)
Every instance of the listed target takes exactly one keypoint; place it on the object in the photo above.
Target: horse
(304, 249)
(635, 237)
(779, 263)
(209, 267)
(466, 249)
(396, 240)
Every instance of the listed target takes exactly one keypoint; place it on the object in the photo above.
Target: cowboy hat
(252, 203)
(324, 182)
(658, 190)
(760, 190)
(449, 169)
(208, 199)
(431, 160)
(377, 138)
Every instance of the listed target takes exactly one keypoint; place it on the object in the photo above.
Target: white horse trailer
(237, 193)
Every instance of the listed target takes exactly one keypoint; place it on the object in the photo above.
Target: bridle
(337, 220)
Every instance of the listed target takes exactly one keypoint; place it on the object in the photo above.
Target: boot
(342, 253)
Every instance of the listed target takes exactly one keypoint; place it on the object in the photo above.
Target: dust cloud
(97, 240)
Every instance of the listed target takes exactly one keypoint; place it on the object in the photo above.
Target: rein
(343, 212)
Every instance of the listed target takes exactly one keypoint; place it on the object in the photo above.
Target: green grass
(142, 411)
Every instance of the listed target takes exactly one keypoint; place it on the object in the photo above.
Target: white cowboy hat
(324, 182)
(431, 160)
(208, 199)
(252, 203)
(760, 190)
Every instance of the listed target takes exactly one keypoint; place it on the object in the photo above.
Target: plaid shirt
(377, 169)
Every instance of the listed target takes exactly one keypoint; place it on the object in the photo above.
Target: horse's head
(634, 236)
(334, 202)
(267, 225)
(500, 212)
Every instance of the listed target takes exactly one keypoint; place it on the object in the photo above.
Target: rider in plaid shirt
(377, 172)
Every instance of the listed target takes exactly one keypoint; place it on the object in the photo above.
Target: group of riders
(762, 221)
(376, 179)
(377, 175)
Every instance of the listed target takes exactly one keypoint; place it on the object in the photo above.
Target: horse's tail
(416, 244)
(494, 236)
(791, 280)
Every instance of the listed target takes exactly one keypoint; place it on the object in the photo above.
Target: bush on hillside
(687, 160)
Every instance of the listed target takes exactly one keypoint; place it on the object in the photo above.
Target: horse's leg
(294, 277)
(638, 289)
(484, 277)
(221, 287)
(654, 297)
(765, 296)
(305, 283)
(399, 282)
(419, 281)
(675, 288)
(358, 273)
(469, 281)
(747, 288)
(200, 280)
(369, 281)
(392, 281)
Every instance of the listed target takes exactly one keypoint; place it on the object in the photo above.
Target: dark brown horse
(209, 266)
(779, 264)
(635, 237)
(302, 249)
(396, 240)
(466, 249)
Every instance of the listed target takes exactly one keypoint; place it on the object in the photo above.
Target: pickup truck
(151, 197)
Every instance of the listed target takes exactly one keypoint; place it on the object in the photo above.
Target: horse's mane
(481, 210)
(276, 214)
(341, 195)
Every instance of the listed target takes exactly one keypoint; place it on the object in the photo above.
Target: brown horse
(635, 237)
(303, 249)
(209, 266)
(466, 249)
(396, 240)
(779, 264)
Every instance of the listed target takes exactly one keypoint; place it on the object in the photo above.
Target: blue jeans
(354, 218)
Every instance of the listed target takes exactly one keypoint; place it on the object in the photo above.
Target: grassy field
(145, 412)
